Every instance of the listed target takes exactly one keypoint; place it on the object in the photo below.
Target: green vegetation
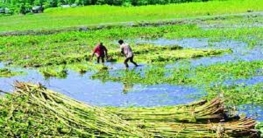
(59, 18)
(57, 72)
(162, 54)
(259, 126)
(239, 94)
(26, 6)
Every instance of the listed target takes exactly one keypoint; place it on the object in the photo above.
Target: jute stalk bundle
(34, 105)
(203, 111)
(34, 111)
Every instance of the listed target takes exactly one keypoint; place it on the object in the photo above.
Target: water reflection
(127, 87)
(102, 74)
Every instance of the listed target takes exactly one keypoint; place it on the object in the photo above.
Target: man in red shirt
(100, 51)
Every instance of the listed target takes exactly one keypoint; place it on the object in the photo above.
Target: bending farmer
(100, 51)
(127, 51)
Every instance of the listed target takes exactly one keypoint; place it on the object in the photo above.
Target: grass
(259, 126)
(93, 15)
(239, 94)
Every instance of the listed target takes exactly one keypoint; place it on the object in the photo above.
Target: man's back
(100, 50)
(126, 50)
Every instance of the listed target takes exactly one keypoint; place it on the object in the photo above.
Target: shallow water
(250, 81)
(252, 111)
(96, 92)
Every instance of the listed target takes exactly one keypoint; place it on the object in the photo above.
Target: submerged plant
(58, 72)
(5, 72)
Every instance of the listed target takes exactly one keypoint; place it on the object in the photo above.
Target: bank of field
(58, 18)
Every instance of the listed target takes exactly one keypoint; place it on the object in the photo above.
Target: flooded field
(199, 72)
(204, 61)
(104, 92)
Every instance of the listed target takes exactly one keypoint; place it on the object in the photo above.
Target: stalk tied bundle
(34, 111)
(61, 115)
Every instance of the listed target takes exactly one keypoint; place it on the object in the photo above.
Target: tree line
(24, 6)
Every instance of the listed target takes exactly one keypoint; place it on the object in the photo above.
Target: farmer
(127, 51)
(100, 51)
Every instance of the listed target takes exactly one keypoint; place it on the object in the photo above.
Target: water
(250, 81)
(186, 43)
(252, 111)
(99, 93)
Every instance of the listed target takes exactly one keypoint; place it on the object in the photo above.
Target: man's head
(120, 41)
(100, 44)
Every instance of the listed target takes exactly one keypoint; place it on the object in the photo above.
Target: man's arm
(93, 53)
(122, 50)
(95, 50)
(106, 52)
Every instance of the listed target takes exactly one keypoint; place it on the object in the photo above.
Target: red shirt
(100, 50)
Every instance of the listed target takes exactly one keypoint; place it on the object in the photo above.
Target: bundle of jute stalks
(200, 119)
(35, 111)
(202, 111)
(236, 128)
